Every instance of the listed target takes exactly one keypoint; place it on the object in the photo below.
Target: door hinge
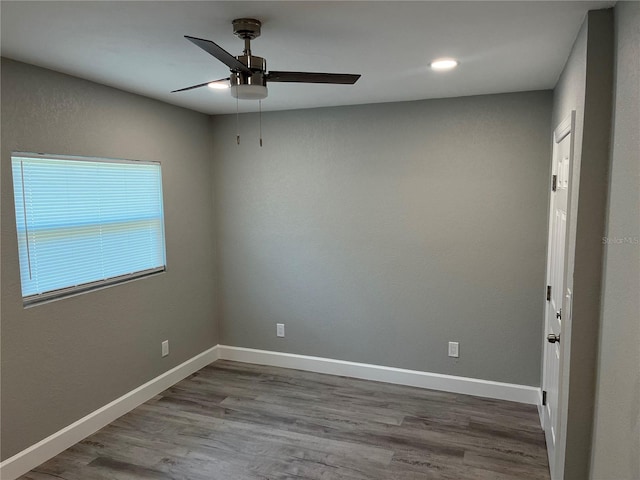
(548, 293)
(544, 397)
(554, 182)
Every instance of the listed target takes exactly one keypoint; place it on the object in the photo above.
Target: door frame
(564, 128)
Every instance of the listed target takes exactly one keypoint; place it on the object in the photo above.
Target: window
(85, 223)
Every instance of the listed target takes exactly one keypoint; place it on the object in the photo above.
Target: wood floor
(234, 421)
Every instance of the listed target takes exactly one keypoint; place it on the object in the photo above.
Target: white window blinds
(85, 223)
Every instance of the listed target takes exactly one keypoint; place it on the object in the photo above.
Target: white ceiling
(139, 46)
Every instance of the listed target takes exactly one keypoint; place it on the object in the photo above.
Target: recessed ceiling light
(444, 64)
(218, 85)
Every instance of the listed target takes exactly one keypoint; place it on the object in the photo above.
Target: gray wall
(378, 233)
(617, 422)
(585, 86)
(63, 360)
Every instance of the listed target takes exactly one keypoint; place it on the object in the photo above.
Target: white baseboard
(541, 410)
(400, 376)
(51, 446)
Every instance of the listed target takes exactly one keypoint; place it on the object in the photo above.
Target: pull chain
(260, 119)
(237, 122)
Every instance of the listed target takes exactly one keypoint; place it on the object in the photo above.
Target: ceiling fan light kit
(249, 92)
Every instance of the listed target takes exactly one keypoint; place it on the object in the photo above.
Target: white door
(552, 378)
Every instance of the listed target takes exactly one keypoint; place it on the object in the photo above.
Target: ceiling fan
(249, 76)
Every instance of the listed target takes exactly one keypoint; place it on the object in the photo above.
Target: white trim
(541, 410)
(399, 376)
(51, 446)
(564, 128)
(80, 158)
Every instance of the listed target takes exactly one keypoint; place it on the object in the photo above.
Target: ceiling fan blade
(311, 77)
(220, 53)
(200, 85)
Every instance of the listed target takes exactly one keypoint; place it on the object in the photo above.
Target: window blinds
(84, 223)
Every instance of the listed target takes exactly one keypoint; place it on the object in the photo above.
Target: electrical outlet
(454, 349)
(280, 329)
(165, 348)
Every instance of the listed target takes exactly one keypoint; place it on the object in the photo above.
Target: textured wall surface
(378, 233)
(63, 360)
(617, 420)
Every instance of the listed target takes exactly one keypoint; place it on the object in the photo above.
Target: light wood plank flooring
(235, 421)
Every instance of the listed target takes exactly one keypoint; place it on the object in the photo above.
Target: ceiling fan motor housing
(252, 86)
(256, 64)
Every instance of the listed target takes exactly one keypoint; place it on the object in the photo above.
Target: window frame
(73, 290)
